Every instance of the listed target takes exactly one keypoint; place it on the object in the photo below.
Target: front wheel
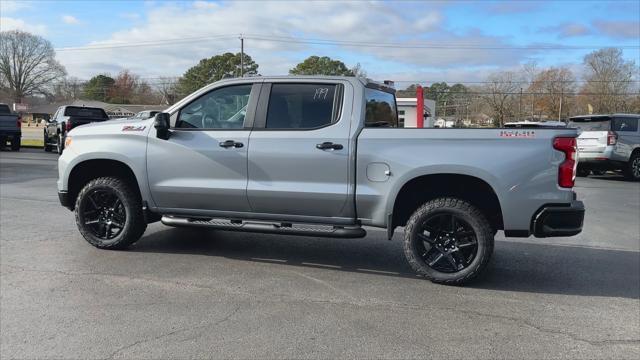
(448, 240)
(633, 167)
(109, 213)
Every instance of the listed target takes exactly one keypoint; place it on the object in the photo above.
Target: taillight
(67, 125)
(567, 169)
(612, 138)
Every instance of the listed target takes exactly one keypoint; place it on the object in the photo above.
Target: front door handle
(230, 143)
(329, 146)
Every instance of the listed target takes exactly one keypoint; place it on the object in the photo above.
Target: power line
(311, 41)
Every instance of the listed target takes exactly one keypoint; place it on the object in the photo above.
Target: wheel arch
(87, 170)
(424, 187)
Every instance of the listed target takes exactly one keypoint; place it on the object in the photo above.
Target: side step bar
(268, 227)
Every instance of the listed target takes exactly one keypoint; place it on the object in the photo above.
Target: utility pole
(560, 110)
(241, 56)
(520, 107)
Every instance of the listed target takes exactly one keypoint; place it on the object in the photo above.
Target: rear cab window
(85, 112)
(380, 108)
(4, 109)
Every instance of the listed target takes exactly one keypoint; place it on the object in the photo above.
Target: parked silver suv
(608, 142)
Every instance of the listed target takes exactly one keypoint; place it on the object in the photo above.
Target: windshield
(591, 124)
(95, 113)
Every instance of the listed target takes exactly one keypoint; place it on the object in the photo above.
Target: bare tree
(168, 89)
(608, 80)
(124, 87)
(555, 85)
(27, 64)
(499, 94)
(70, 88)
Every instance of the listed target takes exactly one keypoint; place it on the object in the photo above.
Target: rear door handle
(329, 146)
(230, 143)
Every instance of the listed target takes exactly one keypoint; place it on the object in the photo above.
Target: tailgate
(9, 123)
(592, 141)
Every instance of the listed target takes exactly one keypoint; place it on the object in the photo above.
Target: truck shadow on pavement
(515, 266)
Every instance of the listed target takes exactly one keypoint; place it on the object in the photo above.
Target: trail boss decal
(521, 134)
(133, 128)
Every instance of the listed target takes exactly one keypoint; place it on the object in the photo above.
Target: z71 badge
(133, 128)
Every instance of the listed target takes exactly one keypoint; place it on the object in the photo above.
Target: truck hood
(113, 127)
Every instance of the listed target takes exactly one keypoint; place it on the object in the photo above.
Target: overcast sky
(478, 36)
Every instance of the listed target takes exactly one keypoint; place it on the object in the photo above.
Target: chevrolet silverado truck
(322, 157)
(10, 128)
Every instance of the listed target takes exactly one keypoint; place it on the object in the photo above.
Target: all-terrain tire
(463, 210)
(134, 224)
(632, 171)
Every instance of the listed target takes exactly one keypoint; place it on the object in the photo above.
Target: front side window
(380, 109)
(223, 108)
(624, 124)
(302, 106)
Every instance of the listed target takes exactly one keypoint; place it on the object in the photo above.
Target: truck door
(299, 161)
(203, 164)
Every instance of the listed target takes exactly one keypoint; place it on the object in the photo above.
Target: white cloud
(7, 23)
(130, 16)
(619, 29)
(70, 19)
(371, 22)
(11, 6)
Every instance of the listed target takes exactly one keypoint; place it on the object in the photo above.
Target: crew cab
(67, 118)
(323, 157)
(10, 128)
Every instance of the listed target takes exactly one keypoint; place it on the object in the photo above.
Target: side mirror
(161, 124)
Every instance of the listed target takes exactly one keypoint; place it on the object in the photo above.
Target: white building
(407, 112)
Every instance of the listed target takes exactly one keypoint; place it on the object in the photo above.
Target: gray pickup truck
(322, 157)
(10, 128)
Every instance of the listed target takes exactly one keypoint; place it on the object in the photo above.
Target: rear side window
(380, 109)
(96, 113)
(4, 109)
(624, 124)
(303, 106)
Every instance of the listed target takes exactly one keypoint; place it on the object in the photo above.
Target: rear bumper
(558, 220)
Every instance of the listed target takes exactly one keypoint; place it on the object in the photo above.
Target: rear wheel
(582, 172)
(109, 213)
(632, 172)
(448, 241)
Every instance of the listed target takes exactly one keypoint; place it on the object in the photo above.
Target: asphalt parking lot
(182, 293)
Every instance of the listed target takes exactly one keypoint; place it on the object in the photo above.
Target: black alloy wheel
(104, 214)
(448, 241)
(448, 244)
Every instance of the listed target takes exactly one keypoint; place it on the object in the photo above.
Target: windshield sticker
(520, 134)
(133, 128)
